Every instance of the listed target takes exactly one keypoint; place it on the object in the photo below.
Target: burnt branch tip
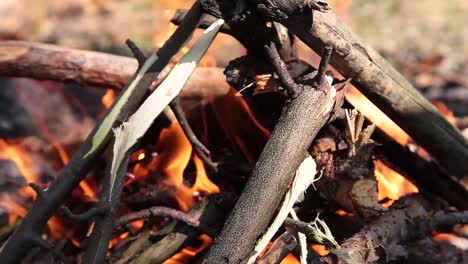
(326, 55)
(136, 51)
(39, 191)
(157, 211)
(98, 210)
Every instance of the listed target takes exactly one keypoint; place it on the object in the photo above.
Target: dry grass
(426, 26)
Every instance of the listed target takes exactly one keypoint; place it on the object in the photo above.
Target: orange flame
(391, 184)
(321, 250)
(15, 210)
(175, 159)
(376, 116)
(108, 98)
(22, 160)
(83, 184)
(114, 241)
(241, 126)
(290, 259)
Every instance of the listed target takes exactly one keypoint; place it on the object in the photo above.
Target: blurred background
(423, 39)
(421, 28)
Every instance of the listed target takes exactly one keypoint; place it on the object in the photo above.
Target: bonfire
(267, 160)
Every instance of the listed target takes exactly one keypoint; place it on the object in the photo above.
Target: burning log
(373, 75)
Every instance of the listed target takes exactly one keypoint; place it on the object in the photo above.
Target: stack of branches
(311, 103)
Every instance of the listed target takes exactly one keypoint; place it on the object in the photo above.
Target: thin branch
(98, 210)
(157, 211)
(290, 85)
(115, 173)
(137, 53)
(39, 191)
(449, 219)
(202, 152)
(326, 55)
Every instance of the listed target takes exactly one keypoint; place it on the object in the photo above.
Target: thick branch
(50, 62)
(384, 239)
(280, 158)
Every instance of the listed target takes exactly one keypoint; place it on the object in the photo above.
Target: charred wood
(384, 239)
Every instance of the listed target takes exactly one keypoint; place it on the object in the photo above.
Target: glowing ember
(321, 250)
(290, 259)
(391, 184)
(108, 98)
(343, 213)
(457, 241)
(141, 156)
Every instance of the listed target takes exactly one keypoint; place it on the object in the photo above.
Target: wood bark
(51, 62)
(280, 158)
(384, 239)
